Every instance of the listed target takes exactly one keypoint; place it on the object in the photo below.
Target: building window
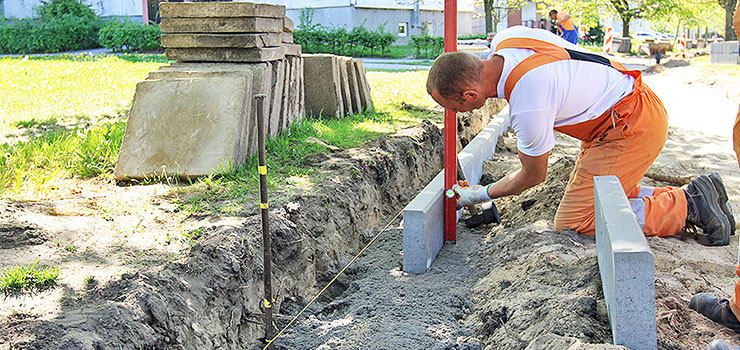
(403, 28)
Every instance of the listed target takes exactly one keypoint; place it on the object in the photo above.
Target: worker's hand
(469, 195)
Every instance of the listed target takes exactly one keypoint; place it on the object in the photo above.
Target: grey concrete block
(221, 40)
(276, 98)
(220, 9)
(261, 84)
(285, 101)
(287, 25)
(724, 52)
(286, 38)
(363, 85)
(263, 54)
(301, 90)
(222, 25)
(344, 82)
(626, 265)
(354, 90)
(323, 95)
(423, 217)
(292, 49)
(186, 127)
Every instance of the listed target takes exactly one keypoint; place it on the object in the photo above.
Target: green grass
(29, 279)
(64, 117)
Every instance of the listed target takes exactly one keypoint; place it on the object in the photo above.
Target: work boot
(704, 211)
(726, 208)
(721, 345)
(716, 309)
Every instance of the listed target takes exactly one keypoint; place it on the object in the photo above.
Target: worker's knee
(581, 222)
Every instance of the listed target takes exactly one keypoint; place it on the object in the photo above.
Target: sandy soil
(519, 285)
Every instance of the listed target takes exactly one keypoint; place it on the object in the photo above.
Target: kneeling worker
(551, 84)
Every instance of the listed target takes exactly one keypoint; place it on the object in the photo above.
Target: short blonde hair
(451, 72)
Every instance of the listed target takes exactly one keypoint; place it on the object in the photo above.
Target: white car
(647, 35)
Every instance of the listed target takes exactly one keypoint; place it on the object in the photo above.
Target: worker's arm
(533, 171)
(565, 18)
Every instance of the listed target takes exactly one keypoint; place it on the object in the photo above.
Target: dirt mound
(210, 298)
(15, 234)
(541, 282)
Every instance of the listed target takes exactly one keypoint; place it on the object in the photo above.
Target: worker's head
(455, 81)
(553, 14)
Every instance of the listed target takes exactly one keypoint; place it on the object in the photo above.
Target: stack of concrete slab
(725, 52)
(226, 32)
(335, 86)
(192, 118)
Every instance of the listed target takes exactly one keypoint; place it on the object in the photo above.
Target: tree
(627, 10)
(692, 13)
(729, 6)
(497, 10)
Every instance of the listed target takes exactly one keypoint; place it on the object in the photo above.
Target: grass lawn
(64, 118)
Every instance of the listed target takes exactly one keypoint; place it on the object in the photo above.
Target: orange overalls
(735, 303)
(624, 141)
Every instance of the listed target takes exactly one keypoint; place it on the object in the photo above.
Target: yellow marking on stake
(267, 303)
(262, 169)
(264, 205)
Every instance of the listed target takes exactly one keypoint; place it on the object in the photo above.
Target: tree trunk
(625, 27)
(729, 29)
(488, 8)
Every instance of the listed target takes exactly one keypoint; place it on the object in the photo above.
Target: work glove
(469, 195)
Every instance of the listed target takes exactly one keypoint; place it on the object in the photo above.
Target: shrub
(595, 35)
(63, 25)
(427, 46)
(130, 36)
(60, 8)
(316, 38)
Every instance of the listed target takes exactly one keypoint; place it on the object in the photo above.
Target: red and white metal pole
(450, 151)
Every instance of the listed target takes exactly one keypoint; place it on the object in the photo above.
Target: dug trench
(211, 298)
(518, 285)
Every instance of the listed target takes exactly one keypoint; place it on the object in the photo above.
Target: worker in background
(551, 84)
(565, 23)
(721, 310)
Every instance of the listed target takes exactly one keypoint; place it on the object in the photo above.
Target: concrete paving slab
(222, 25)
(276, 98)
(262, 54)
(285, 101)
(286, 38)
(344, 82)
(323, 95)
(221, 40)
(288, 26)
(363, 85)
(423, 217)
(219, 9)
(292, 49)
(354, 90)
(261, 84)
(301, 90)
(626, 265)
(186, 127)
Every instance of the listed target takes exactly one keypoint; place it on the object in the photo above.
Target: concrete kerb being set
(626, 263)
(423, 217)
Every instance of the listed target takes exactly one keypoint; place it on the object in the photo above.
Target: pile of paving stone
(335, 86)
(198, 115)
(226, 32)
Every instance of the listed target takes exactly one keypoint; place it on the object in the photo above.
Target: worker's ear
(470, 94)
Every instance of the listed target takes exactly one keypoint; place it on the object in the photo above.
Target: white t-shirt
(560, 93)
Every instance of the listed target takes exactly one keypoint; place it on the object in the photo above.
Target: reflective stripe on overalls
(623, 141)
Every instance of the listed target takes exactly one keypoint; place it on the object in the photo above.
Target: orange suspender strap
(546, 53)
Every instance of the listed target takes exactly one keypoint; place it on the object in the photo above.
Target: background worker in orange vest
(551, 84)
(565, 23)
(721, 310)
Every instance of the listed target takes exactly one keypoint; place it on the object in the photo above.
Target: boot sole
(705, 186)
(720, 187)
